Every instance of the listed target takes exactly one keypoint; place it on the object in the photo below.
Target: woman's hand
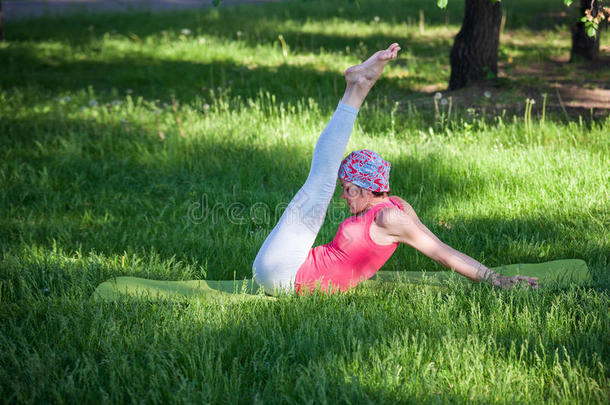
(509, 283)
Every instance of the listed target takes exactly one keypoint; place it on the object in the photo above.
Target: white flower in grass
(444, 101)
(185, 31)
(128, 91)
(487, 94)
(93, 103)
(438, 95)
(238, 34)
(116, 103)
(62, 99)
(206, 107)
(201, 41)
(376, 18)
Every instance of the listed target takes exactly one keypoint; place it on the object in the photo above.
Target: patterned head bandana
(366, 169)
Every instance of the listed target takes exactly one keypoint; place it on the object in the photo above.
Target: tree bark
(1, 23)
(584, 46)
(474, 56)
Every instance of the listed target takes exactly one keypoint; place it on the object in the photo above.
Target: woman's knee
(272, 275)
(263, 269)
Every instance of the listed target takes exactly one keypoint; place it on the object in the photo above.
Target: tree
(586, 32)
(474, 56)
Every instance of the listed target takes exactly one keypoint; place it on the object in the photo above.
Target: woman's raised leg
(288, 244)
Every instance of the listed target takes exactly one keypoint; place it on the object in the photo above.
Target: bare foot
(368, 72)
(362, 77)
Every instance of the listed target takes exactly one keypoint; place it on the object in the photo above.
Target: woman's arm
(405, 227)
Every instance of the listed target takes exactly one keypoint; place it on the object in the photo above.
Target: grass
(132, 147)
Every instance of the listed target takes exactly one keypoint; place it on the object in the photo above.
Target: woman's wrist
(485, 274)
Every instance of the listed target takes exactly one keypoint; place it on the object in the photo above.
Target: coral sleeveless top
(351, 257)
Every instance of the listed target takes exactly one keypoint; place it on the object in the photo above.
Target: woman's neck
(373, 202)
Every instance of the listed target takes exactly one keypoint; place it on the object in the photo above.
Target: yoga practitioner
(286, 261)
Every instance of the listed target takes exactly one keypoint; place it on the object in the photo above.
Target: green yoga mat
(556, 273)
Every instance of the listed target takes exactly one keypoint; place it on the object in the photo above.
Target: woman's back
(352, 256)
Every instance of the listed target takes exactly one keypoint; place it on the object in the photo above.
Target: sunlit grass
(131, 147)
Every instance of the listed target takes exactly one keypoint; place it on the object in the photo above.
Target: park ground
(165, 145)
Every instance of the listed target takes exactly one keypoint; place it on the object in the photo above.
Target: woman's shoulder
(400, 203)
(395, 213)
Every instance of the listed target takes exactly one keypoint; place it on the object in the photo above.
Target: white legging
(287, 246)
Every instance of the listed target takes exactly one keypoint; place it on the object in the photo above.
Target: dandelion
(376, 19)
(238, 34)
(219, 88)
(438, 95)
(201, 41)
(487, 94)
(444, 101)
(93, 103)
(185, 31)
(206, 107)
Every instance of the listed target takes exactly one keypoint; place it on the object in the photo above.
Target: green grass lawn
(166, 145)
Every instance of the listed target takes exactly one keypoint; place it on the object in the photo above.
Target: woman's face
(357, 198)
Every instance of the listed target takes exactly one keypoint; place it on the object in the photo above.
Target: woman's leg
(288, 244)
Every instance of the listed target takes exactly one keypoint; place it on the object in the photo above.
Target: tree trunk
(474, 56)
(1, 30)
(584, 46)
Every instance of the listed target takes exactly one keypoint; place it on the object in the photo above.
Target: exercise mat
(558, 273)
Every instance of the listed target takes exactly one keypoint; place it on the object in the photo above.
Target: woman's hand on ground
(509, 283)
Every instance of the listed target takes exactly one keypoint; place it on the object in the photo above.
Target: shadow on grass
(25, 70)
(256, 19)
(189, 81)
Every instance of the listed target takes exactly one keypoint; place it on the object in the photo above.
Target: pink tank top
(351, 257)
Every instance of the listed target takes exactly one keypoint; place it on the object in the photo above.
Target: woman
(287, 263)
